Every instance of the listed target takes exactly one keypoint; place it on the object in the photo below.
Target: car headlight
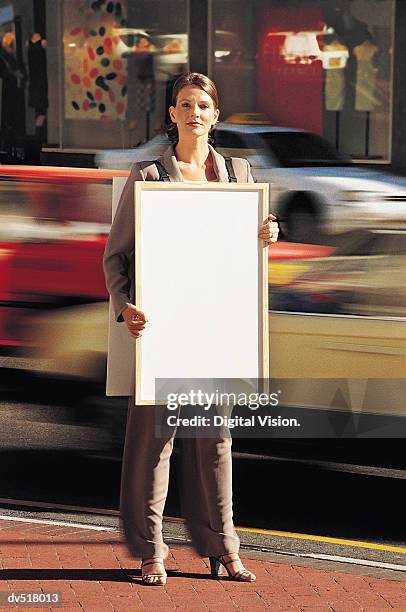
(359, 196)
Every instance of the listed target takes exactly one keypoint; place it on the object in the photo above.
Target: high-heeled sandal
(161, 576)
(242, 575)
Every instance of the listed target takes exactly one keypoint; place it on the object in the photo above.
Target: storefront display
(289, 62)
(334, 56)
(324, 66)
(365, 83)
(94, 68)
(111, 62)
(321, 65)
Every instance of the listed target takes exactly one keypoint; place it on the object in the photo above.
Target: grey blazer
(118, 260)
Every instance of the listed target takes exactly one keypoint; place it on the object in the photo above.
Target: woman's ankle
(152, 560)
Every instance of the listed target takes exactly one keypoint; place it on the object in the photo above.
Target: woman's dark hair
(186, 80)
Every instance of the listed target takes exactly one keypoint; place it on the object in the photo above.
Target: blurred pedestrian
(38, 83)
(12, 95)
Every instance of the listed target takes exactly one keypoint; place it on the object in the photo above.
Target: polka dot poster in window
(95, 69)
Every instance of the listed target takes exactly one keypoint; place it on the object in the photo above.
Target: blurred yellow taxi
(341, 325)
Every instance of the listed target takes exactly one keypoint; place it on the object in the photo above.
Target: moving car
(54, 224)
(337, 329)
(364, 276)
(314, 188)
(337, 314)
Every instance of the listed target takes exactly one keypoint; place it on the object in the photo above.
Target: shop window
(324, 66)
(112, 63)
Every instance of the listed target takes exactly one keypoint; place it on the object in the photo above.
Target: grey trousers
(206, 489)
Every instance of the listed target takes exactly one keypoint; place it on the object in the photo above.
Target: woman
(206, 463)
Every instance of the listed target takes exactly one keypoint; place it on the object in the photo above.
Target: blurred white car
(313, 186)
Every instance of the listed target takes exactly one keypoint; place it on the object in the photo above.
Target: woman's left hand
(269, 230)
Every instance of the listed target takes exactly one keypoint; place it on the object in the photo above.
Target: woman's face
(194, 112)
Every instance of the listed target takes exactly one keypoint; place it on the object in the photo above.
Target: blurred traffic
(314, 188)
(54, 224)
(337, 325)
(338, 306)
(364, 275)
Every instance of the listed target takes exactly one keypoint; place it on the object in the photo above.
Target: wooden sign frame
(245, 208)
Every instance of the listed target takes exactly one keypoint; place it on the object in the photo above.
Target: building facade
(331, 66)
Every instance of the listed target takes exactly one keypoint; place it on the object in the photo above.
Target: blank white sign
(201, 281)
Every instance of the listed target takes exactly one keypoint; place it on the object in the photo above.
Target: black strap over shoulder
(230, 170)
(163, 175)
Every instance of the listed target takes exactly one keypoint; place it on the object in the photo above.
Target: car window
(296, 149)
(237, 140)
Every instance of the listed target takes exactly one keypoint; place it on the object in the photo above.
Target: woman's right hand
(135, 320)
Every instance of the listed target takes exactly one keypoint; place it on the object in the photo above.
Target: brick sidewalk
(91, 570)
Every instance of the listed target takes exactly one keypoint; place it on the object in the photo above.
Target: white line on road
(58, 523)
(352, 560)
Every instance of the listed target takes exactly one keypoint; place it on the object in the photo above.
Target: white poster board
(201, 280)
(121, 349)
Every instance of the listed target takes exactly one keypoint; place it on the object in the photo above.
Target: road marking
(51, 506)
(20, 519)
(326, 539)
(355, 561)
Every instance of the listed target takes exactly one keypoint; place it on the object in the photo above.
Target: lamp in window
(301, 48)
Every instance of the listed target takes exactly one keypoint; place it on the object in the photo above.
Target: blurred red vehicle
(54, 224)
(53, 228)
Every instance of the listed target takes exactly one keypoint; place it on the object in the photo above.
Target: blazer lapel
(170, 164)
(219, 165)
